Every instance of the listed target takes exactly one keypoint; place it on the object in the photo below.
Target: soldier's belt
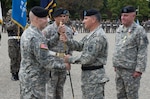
(60, 55)
(86, 67)
(14, 37)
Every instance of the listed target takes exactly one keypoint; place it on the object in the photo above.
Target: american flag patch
(43, 46)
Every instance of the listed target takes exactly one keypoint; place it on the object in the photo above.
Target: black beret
(58, 12)
(39, 11)
(90, 12)
(128, 9)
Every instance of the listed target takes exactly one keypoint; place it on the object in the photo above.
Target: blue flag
(19, 12)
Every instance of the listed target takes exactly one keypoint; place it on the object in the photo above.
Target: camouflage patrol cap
(128, 9)
(39, 11)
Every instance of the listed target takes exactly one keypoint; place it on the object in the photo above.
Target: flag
(19, 12)
(1, 18)
(48, 4)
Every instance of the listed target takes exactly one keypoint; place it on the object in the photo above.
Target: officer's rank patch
(43, 46)
(90, 48)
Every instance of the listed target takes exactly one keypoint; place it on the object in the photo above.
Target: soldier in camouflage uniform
(37, 60)
(57, 76)
(13, 45)
(130, 55)
(94, 49)
(69, 23)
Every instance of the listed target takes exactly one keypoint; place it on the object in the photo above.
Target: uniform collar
(130, 28)
(92, 32)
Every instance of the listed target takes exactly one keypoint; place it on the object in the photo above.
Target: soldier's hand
(68, 66)
(63, 37)
(61, 28)
(136, 74)
(66, 58)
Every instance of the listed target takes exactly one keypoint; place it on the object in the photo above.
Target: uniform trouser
(93, 91)
(127, 86)
(56, 84)
(38, 91)
(14, 55)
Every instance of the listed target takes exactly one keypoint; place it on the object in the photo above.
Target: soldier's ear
(93, 19)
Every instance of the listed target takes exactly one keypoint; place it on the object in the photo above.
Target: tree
(141, 5)
(76, 7)
(4, 7)
(108, 8)
(30, 4)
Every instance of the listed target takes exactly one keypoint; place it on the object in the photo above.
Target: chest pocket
(90, 46)
(131, 40)
(50, 34)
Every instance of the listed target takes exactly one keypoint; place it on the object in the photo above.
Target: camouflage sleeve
(42, 55)
(142, 51)
(51, 35)
(89, 53)
(69, 51)
(53, 41)
(75, 45)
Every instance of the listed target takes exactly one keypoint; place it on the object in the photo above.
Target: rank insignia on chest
(128, 34)
(124, 39)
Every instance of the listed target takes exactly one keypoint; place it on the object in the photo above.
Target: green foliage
(4, 7)
(109, 9)
(76, 7)
(141, 5)
(104, 16)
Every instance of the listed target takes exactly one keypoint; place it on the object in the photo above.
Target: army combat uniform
(13, 47)
(130, 55)
(57, 76)
(94, 49)
(36, 63)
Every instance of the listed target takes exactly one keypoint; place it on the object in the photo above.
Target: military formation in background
(108, 25)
